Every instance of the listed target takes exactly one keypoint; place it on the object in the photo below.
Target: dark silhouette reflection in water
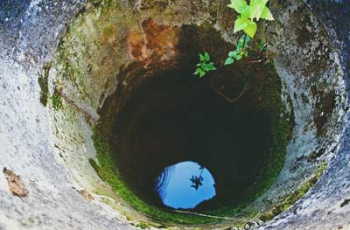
(185, 185)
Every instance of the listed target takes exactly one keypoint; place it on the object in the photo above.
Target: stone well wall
(50, 149)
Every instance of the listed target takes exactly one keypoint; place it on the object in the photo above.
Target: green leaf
(240, 43)
(205, 68)
(232, 53)
(229, 61)
(245, 53)
(246, 12)
(238, 5)
(241, 39)
(266, 14)
(247, 39)
(199, 64)
(198, 70)
(239, 57)
(256, 8)
(240, 24)
(201, 74)
(211, 66)
(206, 56)
(251, 29)
(201, 57)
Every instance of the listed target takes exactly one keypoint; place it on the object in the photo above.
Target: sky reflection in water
(185, 185)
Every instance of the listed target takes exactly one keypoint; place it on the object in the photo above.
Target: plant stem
(245, 36)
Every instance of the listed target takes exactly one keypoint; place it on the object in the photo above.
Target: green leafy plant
(241, 50)
(245, 21)
(255, 10)
(249, 12)
(204, 65)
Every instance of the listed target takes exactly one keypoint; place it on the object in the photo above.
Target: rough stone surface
(29, 35)
(29, 32)
(321, 207)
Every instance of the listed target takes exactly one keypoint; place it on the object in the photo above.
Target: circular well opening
(169, 121)
(222, 131)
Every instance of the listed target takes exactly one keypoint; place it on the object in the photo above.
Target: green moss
(295, 196)
(44, 84)
(280, 128)
(56, 100)
(276, 155)
(142, 225)
(268, 94)
(93, 164)
(157, 4)
(107, 171)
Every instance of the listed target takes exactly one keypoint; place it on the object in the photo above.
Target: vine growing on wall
(249, 12)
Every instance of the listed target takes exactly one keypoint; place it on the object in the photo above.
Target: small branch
(200, 214)
(245, 37)
(257, 61)
(231, 100)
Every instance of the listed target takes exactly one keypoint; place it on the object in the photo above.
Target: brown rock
(16, 185)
